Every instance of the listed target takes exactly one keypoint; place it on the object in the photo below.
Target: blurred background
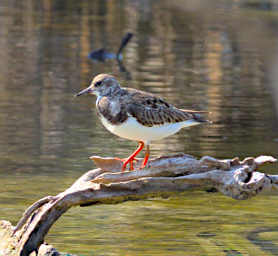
(216, 55)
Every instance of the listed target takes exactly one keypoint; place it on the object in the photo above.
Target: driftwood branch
(164, 176)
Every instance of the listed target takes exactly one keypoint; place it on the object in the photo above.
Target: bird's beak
(87, 90)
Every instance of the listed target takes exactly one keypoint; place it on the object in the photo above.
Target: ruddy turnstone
(137, 115)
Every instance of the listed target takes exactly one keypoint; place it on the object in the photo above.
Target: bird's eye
(97, 84)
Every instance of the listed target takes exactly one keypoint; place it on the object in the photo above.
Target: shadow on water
(219, 56)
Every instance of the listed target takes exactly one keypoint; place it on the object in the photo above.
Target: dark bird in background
(103, 55)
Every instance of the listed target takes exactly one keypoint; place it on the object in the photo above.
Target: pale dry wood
(30, 210)
(163, 176)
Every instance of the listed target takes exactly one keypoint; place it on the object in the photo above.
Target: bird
(137, 115)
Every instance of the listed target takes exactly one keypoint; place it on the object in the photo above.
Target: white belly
(133, 130)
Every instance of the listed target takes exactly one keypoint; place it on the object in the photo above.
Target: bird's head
(102, 85)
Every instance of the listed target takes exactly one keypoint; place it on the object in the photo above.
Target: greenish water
(219, 56)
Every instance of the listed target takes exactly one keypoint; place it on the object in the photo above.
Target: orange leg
(131, 158)
(147, 155)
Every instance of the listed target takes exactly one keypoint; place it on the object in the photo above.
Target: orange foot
(132, 158)
(130, 162)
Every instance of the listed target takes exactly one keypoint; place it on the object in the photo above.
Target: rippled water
(219, 56)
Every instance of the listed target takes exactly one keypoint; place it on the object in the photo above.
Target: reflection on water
(221, 57)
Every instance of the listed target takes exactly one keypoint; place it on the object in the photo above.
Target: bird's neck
(113, 92)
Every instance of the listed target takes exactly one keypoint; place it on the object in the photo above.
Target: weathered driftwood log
(163, 177)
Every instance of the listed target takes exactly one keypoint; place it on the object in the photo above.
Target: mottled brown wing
(150, 110)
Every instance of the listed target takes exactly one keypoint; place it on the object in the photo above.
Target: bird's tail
(198, 116)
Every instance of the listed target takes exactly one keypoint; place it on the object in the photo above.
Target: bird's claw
(127, 161)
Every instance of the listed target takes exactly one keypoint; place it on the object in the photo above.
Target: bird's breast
(112, 111)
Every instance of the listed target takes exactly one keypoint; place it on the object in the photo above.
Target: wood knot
(235, 161)
(249, 161)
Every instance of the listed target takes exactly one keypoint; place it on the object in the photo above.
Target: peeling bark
(163, 176)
